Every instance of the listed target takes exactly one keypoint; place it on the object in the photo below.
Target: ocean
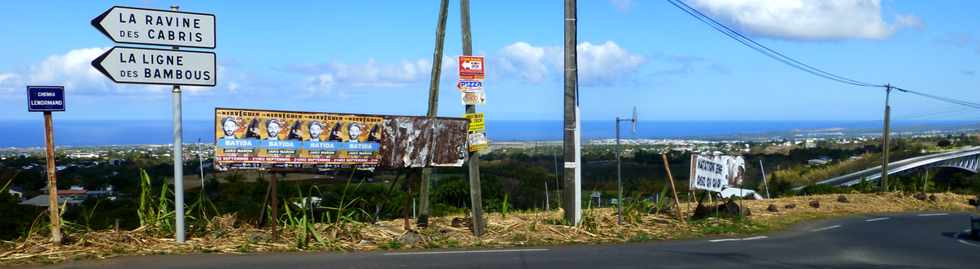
(30, 133)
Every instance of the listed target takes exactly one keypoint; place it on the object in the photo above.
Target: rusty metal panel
(422, 142)
(449, 142)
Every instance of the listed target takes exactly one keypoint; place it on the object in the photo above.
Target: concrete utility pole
(178, 159)
(572, 138)
(423, 219)
(53, 212)
(884, 139)
(476, 196)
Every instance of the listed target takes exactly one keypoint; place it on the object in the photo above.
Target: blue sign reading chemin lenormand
(45, 98)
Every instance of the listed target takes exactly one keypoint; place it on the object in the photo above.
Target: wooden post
(690, 179)
(677, 201)
(764, 181)
(547, 202)
(53, 212)
(476, 195)
(406, 207)
(275, 204)
(265, 204)
(423, 219)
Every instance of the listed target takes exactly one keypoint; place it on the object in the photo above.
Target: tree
(944, 143)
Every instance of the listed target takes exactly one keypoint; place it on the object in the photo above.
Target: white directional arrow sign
(158, 66)
(157, 27)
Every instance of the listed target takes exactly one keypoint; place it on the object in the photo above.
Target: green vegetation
(513, 181)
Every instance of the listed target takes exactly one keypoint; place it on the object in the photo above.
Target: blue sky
(375, 57)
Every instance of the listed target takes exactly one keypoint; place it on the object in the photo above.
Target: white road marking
(825, 228)
(876, 219)
(933, 214)
(465, 252)
(738, 239)
(968, 243)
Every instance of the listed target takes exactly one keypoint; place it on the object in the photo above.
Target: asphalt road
(927, 240)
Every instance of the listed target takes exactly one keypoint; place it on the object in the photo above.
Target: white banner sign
(715, 173)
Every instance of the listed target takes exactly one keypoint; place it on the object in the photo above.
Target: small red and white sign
(472, 67)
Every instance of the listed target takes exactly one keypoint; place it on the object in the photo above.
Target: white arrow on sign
(158, 66)
(157, 27)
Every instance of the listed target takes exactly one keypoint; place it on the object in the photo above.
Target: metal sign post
(179, 157)
(619, 163)
(161, 66)
(47, 99)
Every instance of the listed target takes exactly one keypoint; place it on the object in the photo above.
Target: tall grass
(155, 210)
(334, 220)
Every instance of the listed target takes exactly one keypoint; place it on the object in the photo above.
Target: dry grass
(227, 235)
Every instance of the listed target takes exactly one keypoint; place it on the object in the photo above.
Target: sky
(375, 57)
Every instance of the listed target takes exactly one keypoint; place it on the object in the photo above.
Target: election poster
(715, 173)
(258, 139)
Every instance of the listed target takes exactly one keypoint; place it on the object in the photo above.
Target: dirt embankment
(226, 235)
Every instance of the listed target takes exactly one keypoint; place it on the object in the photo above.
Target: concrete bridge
(966, 158)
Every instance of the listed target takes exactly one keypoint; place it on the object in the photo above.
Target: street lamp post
(619, 164)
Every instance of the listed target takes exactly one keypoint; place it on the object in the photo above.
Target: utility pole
(884, 140)
(423, 219)
(572, 138)
(178, 159)
(476, 196)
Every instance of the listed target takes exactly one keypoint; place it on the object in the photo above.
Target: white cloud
(605, 63)
(808, 19)
(622, 5)
(530, 63)
(9, 83)
(370, 74)
(598, 64)
(74, 71)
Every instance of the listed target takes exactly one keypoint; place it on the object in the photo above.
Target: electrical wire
(776, 55)
(735, 35)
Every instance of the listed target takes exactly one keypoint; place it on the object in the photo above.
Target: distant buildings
(72, 196)
(820, 161)
(83, 155)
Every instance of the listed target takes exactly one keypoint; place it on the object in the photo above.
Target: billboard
(259, 139)
(715, 173)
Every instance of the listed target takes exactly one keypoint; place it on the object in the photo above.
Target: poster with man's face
(715, 173)
(273, 138)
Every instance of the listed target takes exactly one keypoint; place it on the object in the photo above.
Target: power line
(776, 55)
(748, 42)
(940, 98)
